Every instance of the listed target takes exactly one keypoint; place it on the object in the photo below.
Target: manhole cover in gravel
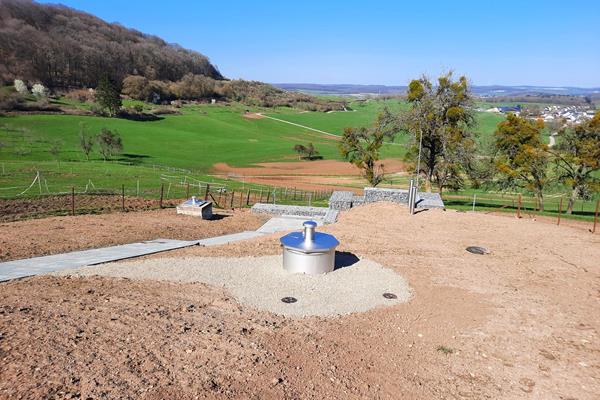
(477, 250)
(289, 300)
(390, 296)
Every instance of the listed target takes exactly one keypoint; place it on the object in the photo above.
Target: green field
(198, 138)
(195, 140)
(182, 148)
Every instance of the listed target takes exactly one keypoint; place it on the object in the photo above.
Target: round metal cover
(477, 250)
(321, 242)
(390, 296)
(289, 300)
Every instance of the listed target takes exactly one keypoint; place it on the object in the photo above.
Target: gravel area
(261, 282)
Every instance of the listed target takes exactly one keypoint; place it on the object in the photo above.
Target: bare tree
(308, 152)
(361, 146)
(86, 142)
(55, 149)
(109, 143)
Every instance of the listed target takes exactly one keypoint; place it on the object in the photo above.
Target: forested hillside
(65, 48)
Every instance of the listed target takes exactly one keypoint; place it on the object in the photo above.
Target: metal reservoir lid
(309, 241)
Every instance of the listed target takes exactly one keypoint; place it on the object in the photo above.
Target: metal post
(419, 157)
(596, 216)
(187, 190)
(162, 191)
(559, 211)
(248, 197)
(410, 196)
(232, 196)
(474, 198)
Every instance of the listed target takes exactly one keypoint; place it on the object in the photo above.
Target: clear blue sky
(527, 42)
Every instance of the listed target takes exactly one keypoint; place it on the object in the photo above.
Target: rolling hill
(65, 48)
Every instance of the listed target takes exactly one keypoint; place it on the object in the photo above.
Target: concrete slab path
(42, 265)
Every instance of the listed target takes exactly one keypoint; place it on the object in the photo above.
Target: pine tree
(108, 96)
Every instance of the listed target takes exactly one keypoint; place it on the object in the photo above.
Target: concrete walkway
(43, 265)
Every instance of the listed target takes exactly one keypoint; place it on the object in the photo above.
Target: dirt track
(520, 323)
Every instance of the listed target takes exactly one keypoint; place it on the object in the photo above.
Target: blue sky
(527, 42)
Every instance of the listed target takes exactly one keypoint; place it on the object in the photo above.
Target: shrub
(39, 90)
(81, 95)
(21, 87)
(10, 101)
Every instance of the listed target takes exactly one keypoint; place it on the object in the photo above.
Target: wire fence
(42, 198)
(554, 206)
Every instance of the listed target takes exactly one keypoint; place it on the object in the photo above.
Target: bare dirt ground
(43, 206)
(250, 115)
(54, 235)
(306, 175)
(519, 323)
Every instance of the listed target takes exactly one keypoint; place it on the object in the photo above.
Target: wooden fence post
(559, 211)
(232, 196)
(73, 200)
(248, 198)
(207, 190)
(122, 197)
(187, 191)
(162, 191)
(519, 206)
(596, 216)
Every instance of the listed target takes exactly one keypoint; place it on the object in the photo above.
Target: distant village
(565, 114)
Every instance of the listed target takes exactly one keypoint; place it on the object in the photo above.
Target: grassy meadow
(184, 147)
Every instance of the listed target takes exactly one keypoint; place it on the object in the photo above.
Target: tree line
(444, 152)
(64, 48)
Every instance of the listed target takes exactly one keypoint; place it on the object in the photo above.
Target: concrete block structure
(196, 208)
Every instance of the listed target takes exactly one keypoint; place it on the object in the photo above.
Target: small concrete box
(196, 208)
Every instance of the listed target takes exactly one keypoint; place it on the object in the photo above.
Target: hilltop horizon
(494, 44)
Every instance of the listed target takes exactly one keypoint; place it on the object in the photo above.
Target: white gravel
(262, 282)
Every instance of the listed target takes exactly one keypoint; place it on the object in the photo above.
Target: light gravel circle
(261, 282)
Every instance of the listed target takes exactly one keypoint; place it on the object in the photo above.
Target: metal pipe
(309, 230)
(413, 199)
(410, 196)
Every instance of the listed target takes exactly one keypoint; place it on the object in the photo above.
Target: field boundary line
(314, 129)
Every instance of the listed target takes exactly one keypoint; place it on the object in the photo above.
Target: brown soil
(19, 209)
(305, 175)
(521, 322)
(250, 115)
(53, 235)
